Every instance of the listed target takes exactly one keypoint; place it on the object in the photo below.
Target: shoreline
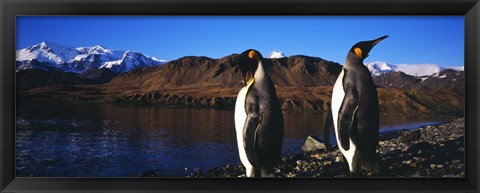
(428, 151)
(307, 99)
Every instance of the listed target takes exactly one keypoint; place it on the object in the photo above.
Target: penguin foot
(267, 172)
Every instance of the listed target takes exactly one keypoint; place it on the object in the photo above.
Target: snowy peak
(49, 55)
(131, 60)
(98, 49)
(379, 68)
(276, 54)
(419, 69)
(47, 52)
(457, 68)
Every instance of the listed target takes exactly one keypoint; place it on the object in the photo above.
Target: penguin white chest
(240, 118)
(338, 95)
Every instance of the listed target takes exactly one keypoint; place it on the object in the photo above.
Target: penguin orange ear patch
(252, 54)
(358, 51)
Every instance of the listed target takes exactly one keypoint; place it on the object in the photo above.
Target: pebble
(291, 175)
(317, 156)
(339, 159)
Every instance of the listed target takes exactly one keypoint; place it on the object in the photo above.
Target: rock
(433, 166)
(339, 159)
(298, 169)
(278, 170)
(327, 163)
(299, 162)
(290, 175)
(312, 144)
(411, 136)
(317, 156)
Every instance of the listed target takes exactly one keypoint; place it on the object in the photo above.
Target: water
(75, 139)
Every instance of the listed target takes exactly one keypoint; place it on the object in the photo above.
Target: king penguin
(355, 110)
(258, 118)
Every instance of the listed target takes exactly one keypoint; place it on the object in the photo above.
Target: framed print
(189, 96)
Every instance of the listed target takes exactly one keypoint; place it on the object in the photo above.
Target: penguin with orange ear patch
(355, 110)
(258, 118)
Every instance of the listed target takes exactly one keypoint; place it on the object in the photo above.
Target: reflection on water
(90, 139)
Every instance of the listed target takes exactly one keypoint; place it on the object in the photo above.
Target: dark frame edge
(6, 177)
(472, 34)
(3, 183)
(8, 183)
(7, 96)
(7, 136)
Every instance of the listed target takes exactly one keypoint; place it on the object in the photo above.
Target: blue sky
(413, 39)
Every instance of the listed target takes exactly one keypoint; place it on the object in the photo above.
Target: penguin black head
(248, 63)
(361, 49)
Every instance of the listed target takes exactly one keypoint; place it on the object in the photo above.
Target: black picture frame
(9, 9)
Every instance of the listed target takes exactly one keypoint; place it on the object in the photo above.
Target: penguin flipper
(348, 119)
(250, 136)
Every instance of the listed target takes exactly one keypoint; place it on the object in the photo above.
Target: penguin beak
(375, 42)
(366, 46)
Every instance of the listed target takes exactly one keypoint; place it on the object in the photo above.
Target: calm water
(104, 140)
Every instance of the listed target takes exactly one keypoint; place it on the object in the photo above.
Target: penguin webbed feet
(261, 172)
(371, 169)
(267, 172)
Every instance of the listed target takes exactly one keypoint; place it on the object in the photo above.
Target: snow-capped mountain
(445, 79)
(276, 54)
(457, 68)
(53, 56)
(419, 69)
(378, 68)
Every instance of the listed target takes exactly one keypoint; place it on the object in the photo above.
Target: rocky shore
(431, 151)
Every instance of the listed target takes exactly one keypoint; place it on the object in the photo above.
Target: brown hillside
(195, 72)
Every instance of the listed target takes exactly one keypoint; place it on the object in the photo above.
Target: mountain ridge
(54, 56)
